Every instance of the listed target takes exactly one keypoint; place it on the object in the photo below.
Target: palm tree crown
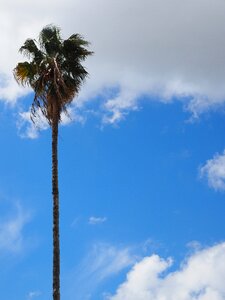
(54, 70)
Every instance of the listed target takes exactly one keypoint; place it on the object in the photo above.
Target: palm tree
(55, 73)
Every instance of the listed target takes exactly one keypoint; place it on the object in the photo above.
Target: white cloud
(33, 294)
(96, 220)
(106, 260)
(148, 47)
(102, 262)
(75, 222)
(200, 277)
(29, 129)
(11, 231)
(214, 171)
(194, 245)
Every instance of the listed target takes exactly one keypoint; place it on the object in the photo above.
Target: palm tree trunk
(55, 193)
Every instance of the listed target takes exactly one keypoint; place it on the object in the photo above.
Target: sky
(141, 157)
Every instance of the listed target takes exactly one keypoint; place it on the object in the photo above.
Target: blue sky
(141, 161)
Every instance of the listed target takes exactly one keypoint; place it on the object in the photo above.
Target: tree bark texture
(55, 193)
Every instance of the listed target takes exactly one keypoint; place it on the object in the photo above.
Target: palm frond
(24, 73)
(50, 39)
(74, 48)
(31, 50)
(79, 40)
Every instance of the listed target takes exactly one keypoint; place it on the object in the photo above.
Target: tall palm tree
(55, 73)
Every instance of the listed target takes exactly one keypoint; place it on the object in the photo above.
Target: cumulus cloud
(11, 231)
(214, 171)
(156, 48)
(96, 220)
(200, 277)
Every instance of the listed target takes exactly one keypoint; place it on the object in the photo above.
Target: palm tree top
(53, 70)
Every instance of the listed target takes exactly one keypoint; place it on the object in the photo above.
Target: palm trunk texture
(55, 193)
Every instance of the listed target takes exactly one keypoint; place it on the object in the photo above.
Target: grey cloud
(148, 47)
